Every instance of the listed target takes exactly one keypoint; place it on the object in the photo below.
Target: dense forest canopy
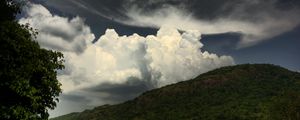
(242, 92)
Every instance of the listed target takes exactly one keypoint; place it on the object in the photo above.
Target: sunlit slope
(257, 91)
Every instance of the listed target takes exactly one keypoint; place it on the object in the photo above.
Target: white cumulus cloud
(55, 32)
(133, 61)
(163, 59)
(117, 63)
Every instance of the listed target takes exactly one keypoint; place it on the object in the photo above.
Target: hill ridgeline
(241, 92)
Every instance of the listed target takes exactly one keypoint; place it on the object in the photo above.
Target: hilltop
(250, 91)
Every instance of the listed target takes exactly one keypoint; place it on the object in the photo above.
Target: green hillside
(242, 92)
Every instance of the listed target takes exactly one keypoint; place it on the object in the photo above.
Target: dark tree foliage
(28, 83)
(9, 9)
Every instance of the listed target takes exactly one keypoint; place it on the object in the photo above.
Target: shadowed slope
(258, 91)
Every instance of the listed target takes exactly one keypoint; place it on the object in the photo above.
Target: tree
(28, 73)
(9, 9)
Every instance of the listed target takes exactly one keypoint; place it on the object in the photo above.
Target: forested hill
(242, 92)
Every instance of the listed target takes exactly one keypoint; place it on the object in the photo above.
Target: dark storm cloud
(121, 92)
(106, 93)
(133, 86)
(75, 98)
(114, 93)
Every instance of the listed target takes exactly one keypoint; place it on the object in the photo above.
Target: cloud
(255, 20)
(163, 59)
(106, 93)
(55, 32)
(117, 68)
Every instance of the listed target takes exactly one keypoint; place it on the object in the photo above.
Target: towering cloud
(116, 68)
(159, 60)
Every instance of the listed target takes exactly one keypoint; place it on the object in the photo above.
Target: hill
(245, 92)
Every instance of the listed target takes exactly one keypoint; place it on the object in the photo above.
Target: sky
(114, 50)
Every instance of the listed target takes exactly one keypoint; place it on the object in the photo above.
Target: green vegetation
(242, 92)
(28, 84)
